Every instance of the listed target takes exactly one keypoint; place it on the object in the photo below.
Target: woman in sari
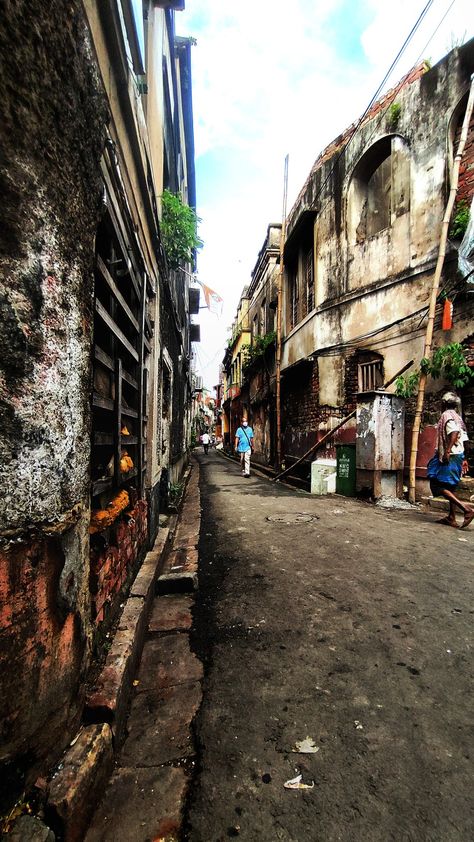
(448, 464)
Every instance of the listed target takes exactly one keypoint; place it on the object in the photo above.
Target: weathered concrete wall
(365, 282)
(52, 122)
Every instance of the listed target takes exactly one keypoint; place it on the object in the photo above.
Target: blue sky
(272, 77)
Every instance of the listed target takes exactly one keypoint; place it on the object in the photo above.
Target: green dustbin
(346, 469)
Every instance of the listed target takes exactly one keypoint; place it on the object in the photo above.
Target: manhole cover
(299, 517)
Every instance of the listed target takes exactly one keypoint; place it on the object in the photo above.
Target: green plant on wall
(459, 221)
(178, 230)
(448, 362)
(258, 348)
(407, 385)
(393, 115)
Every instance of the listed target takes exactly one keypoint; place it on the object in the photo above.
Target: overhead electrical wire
(373, 99)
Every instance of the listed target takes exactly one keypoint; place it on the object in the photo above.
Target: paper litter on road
(358, 725)
(296, 783)
(306, 746)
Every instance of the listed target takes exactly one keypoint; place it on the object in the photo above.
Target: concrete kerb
(180, 570)
(74, 784)
(109, 699)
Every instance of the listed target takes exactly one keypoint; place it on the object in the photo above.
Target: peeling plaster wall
(52, 122)
(364, 283)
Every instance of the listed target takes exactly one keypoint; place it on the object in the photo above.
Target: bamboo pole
(340, 424)
(279, 318)
(434, 292)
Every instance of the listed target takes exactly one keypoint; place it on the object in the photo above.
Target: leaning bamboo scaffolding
(434, 293)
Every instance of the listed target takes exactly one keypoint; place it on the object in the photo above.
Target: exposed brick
(75, 788)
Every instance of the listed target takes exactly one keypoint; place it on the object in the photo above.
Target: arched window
(379, 190)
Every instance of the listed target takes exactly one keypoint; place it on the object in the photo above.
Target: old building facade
(95, 386)
(361, 246)
(258, 390)
(233, 365)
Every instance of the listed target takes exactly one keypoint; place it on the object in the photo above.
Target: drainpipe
(434, 291)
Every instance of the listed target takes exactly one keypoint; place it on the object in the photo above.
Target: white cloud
(271, 78)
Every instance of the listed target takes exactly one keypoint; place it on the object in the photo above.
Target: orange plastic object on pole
(447, 315)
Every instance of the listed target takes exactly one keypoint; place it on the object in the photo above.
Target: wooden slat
(101, 485)
(116, 292)
(101, 402)
(142, 385)
(129, 440)
(131, 413)
(103, 438)
(107, 318)
(128, 379)
(103, 358)
(116, 214)
(108, 362)
(117, 419)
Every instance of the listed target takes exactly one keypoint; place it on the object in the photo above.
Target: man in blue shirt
(244, 445)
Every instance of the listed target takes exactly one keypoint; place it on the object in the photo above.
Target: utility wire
(366, 111)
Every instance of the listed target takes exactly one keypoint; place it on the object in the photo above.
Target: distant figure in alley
(447, 466)
(244, 445)
(205, 438)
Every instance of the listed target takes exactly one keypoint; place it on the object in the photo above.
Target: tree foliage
(258, 348)
(178, 230)
(448, 362)
(460, 221)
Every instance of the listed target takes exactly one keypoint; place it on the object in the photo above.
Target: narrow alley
(306, 629)
(187, 655)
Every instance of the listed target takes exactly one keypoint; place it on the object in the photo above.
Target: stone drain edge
(81, 777)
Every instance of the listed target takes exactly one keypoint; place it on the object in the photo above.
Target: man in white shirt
(446, 467)
(205, 438)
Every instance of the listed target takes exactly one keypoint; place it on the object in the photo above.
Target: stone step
(140, 805)
(159, 726)
(76, 785)
(180, 572)
(171, 613)
(167, 661)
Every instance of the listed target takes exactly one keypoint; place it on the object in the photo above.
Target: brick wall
(113, 564)
(301, 413)
(466, 170)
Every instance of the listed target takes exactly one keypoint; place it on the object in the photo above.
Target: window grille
(309, 280)
(293, 301)
(263, 317)
(370, 375)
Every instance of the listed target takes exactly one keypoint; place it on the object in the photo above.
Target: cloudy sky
(277, 77)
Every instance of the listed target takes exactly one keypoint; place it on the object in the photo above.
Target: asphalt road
(331, 619)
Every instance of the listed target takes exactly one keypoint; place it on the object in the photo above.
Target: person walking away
(447, 466)
(205, 438)
(244, 446)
